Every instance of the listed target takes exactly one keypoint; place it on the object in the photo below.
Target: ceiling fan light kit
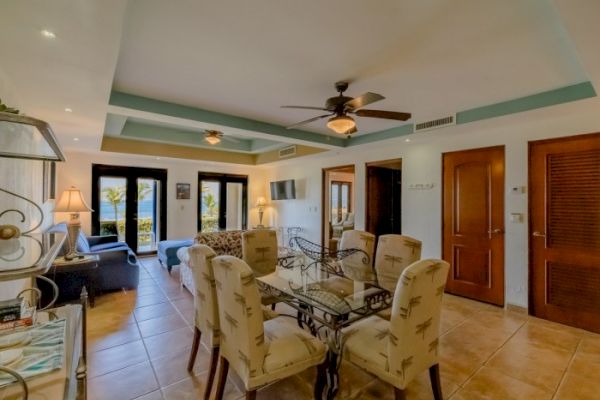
(213, 137)
(341, 123)
(340, 106)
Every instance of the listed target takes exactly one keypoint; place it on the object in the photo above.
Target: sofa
(118, 267)
(338, 228)
(222, 243)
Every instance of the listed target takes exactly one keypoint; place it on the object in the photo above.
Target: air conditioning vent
(287, 152)
(435, 124)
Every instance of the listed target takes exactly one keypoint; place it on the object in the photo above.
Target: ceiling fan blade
(363, 100)
(308, 121)
(400, 116)
(306, 108)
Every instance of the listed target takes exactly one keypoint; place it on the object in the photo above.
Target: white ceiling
(430, 58)
(247, 58)
(74, 70)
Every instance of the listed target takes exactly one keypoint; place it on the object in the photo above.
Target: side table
(72, 275)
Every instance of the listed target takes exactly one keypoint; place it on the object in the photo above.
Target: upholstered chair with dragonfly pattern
(400, 349)
(260, 352)
(358, 266)
(394, 253)
(206, 318)
(259, 251)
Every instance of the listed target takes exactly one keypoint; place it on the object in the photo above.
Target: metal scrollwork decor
(9, 231)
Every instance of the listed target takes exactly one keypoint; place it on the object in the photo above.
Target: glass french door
(130, 203)
(340, 200)
(222, 202)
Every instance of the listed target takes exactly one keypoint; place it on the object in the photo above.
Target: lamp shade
(341, 123)
(261, 202)
(71, 201)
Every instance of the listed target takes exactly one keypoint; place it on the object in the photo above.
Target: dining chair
(358, 266)
(394, 253)
(259, 351)
(397, 351)
(206, 316)
(260, 251)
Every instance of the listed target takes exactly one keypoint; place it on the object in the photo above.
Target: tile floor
(139, 342)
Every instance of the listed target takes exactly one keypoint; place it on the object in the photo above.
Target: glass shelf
(26, 137)
(28, 255)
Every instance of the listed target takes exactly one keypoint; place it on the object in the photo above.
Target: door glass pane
(233, 216)
(147, 214)
(345, 199)
(334, 202)
(209, 206)
(112, 206)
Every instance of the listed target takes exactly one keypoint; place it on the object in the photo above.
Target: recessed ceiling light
(76, 139)
(407, 140)
(48, 34)
(68, 109)
(158, 158)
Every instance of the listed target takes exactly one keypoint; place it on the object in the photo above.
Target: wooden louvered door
(473, 223)
(564, 229)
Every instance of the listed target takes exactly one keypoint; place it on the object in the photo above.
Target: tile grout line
(144, 342)
(484, 363)
(160, 387)
(562, 378)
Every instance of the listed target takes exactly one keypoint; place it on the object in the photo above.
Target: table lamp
(72, 201)
(261, 203)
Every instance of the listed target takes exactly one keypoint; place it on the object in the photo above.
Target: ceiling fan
(338, 108)
(213, 137)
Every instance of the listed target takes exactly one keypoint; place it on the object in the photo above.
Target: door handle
(538, 234)
(496, 231)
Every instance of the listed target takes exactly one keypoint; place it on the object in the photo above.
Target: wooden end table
(86, 267)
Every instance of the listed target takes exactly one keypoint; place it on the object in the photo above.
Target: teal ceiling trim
(114, 124)
(380, 135)
(552, 97)
(196, 114)
(261, 144)
(177, 136)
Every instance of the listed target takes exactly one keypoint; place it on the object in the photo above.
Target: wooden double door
(564, 241)
(473, 223)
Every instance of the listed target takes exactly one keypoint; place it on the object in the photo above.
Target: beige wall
(181, 214)
(421, 164)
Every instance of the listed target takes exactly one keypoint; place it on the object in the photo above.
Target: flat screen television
(283, 190)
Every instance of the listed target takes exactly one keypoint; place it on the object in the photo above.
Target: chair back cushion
(394, 253)
(240, 317)
(357, 266)
(415, 322)
(222, 243)
(259, 250)
(206, 317)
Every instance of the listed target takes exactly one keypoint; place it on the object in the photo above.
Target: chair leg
(321, 380)
(251, 394)
(222, 377)
(214, 358)
(436, 385)
(273, 306)
(399, 394)
(194, 352)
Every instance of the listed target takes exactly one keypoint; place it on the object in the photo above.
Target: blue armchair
(118, 267)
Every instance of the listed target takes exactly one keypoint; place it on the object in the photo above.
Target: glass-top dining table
(325, 303)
